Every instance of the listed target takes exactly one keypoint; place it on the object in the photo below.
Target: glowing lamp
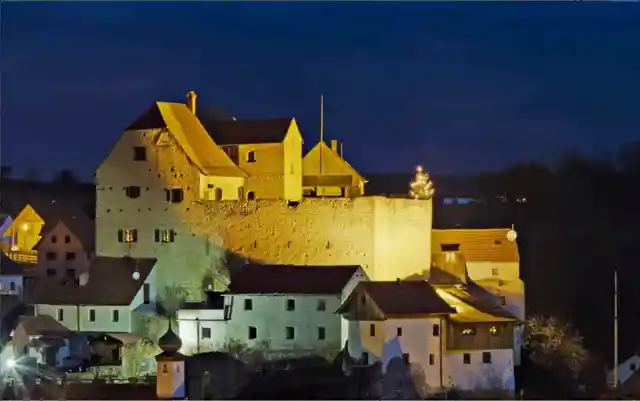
(11, 363)
(25, 227)
(136, 275)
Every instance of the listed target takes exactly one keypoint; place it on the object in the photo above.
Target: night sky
(458, 87)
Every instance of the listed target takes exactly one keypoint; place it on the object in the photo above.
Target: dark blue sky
(455, 86)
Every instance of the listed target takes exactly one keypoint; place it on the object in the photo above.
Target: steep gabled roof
(78, 224)
(311, 162)
(110, 282)
(236, 132)
(285, 279)
(190, 134)
(402, 298)
(42, 325)
(478, 245)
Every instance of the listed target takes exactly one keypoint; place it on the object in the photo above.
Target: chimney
(191, 101)
(334, 146)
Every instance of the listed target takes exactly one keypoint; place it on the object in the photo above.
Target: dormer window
(251, 156)
(132, 192)
(139, 153)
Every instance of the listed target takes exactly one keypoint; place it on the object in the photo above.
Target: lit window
(164, 235)
(468, 331)
(493, 330)
(128, 235)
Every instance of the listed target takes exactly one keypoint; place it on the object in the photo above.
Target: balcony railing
(23, 256)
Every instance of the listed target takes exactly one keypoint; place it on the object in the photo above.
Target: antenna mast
(615, 329)
(321, 142)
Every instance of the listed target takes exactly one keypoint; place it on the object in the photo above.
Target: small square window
(253, 333)
(139, 153)
(399, 331)
(291, 304)
(290, 333)
(51, 256)
(486, 357)
(92, 315)
(372, 330)
(54, 239)
(206, 332)
(436, 330)
(466, 359)
(322, 333)
(432, 359)
(67, 239)
(69, 256)
(248, 304)
(322, 305)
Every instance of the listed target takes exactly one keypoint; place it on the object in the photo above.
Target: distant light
(136, 275)
(11, 363)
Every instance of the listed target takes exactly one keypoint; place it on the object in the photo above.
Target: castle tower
(171, 366)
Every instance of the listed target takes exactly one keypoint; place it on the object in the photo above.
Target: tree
(555, 346)
(628, 158)
(139, 358)
(65, 177)
(421, 187)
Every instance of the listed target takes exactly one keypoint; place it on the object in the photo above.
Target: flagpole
(321, 141)
(615, 329)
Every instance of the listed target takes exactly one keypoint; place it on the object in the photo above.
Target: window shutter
(157, 235)
(120, 235)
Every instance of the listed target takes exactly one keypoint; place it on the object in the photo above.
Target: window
(206, 332)
(493, 330)
(51, 256)
(251, 156)
(60, 314)
(251, 195)
(218, 194)
(322, 333)
(372, 330)
(132, 191)
(71, 273)
(486, 357)
(54, 239)
(128, 235)
(632, 367)
(503, 300)
(432, 359)
(51, 272)
(12, 286)
(494, 271)
(92, 315)
(405, 358)
(70, 256)
(139, 153)
(468, 331)
(322, 305)
(165, 236)
(291, 304)
(253, 333)
(436, 330)
(466, 359)
(290, 333)
(115, 315)
(248, 304)
(399, 332)
(174, 195)
(450, 247)
(365, 358)
(146, 293)
(67, 239)
(164, 368)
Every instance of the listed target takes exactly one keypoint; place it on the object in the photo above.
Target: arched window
(218, 194)
(251, 195)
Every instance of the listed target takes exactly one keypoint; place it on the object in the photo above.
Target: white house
(626, 369)
(427, 340)
(102, 300)
(288, 309)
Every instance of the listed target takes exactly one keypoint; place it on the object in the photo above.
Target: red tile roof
(405, 297)
(286, 279)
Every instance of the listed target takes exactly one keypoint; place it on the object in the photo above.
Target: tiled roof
(284, 279)
(474, 304)
(235, 132)
(311, 161)
(110, 283)
(42, 325)
(78, 223)
(482, 245)
(190, 134)
(396, 298)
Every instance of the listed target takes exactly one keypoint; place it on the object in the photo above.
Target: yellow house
(326, 173)
(23, 234)
(268, 150)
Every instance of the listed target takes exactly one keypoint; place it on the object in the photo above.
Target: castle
(195, 199)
